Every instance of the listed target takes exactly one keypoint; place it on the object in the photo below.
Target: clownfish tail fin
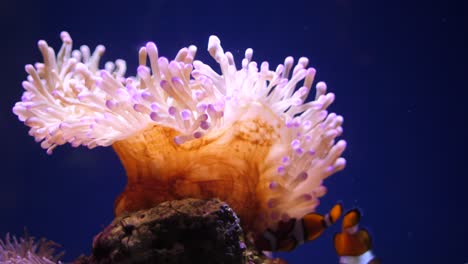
(351, 218)
(334, 214)
(315, 224)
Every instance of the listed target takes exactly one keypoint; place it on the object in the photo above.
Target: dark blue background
(398, 69)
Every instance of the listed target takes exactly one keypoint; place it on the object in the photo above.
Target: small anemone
(26, 250)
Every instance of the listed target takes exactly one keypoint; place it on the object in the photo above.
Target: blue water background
(398, 69)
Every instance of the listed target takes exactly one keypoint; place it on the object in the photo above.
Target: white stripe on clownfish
(365, 258)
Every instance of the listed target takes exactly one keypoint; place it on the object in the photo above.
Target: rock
(181, 231)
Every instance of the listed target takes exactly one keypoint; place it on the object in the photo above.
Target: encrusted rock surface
(182, 231)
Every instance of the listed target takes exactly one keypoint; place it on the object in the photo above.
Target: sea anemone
(28, 251)
(245, 135)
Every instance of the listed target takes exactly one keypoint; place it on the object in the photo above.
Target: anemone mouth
(184, 130)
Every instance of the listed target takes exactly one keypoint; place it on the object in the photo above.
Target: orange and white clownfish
(292, 233)
(354, 244)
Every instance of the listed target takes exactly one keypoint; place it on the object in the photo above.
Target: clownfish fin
(315, 224)
(334, 214)
(351, 218)
(353, 244)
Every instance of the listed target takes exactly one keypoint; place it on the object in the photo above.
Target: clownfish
(290, 234)
(354, 244)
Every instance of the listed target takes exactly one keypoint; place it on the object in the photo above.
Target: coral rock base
(182, 231)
